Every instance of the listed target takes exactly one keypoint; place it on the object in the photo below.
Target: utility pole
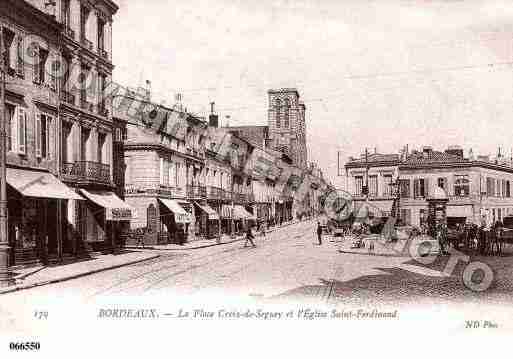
(5, 275)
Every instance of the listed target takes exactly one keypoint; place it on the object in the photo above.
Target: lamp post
(5, 273)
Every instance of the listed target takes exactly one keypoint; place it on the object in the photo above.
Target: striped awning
(212, 214)
(181, 215)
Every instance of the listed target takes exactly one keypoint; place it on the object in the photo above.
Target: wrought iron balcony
(102, 111)
(196, 191)
(68, 97)
(69, 32)
(239, 197)
(86, 171)
(88, 106)
(104, 54)
(215, 193)
(87, 44)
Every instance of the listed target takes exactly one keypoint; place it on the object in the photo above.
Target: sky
(376, 74)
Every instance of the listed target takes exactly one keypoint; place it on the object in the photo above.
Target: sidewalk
(42, 275)
(205, 243)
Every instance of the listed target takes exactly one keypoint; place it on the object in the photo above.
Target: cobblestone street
(287, 264)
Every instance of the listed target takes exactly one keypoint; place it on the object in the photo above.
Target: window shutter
(426, 187)
(415, 188)
(49, 151)
(37, 65)
(38, 135)
(20, 70)
(22, 125)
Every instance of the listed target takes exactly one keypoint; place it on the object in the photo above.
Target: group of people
(487, 238)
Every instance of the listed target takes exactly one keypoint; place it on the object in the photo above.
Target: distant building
(475, 188)
(286, 127)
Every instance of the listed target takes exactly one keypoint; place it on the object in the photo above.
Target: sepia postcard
(275, 178)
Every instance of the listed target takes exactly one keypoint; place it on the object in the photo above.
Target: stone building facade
(477, 188)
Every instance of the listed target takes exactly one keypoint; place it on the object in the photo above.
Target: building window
(508, 189)
(278, 114)
(40, 68)
(420, 187)
(101, 34)
(442, 183)
(387, 183)
(171, 175)
(162, 167)
(10, 130)
(404, 188)
(406, 216)
(373, 185)
(490, 187)
(461, 186)
(43, 130)
(66, 14)
(9, 45)
(84, 15)
(358, 181)
(286, 122)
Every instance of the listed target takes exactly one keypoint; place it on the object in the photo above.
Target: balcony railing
(103, 54)
(102, 111)
(69, 32)
(68, 97)
(88, 106)
(196, 191)
(87, 44)
(215, 193)
(86, 171)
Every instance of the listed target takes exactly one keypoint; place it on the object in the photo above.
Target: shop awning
(212, 214)
(181, 215)
(115, 208)
(39, 184)
(236, 212)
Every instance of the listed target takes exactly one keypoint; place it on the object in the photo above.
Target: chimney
(455, 151)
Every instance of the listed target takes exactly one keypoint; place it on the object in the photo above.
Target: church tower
(286, 122)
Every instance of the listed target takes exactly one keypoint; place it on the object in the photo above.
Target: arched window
(278, 113)
(286, 122)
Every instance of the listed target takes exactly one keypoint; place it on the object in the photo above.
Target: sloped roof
(374, 158)
(432, 157)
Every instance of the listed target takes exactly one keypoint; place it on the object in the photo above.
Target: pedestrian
(249, 237)
(262, 228)
(319, 232)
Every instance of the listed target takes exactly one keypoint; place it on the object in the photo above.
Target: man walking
(249, 237)
(319, 232)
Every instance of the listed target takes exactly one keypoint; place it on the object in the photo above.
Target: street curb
(184, 249)
(74, 276)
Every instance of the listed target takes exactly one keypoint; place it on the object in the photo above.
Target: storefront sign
(119, 214)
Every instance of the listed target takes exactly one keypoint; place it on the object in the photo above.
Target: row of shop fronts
(167, 220)
(51, 221)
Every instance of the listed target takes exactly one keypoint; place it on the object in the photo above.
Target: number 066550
(25, 346)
